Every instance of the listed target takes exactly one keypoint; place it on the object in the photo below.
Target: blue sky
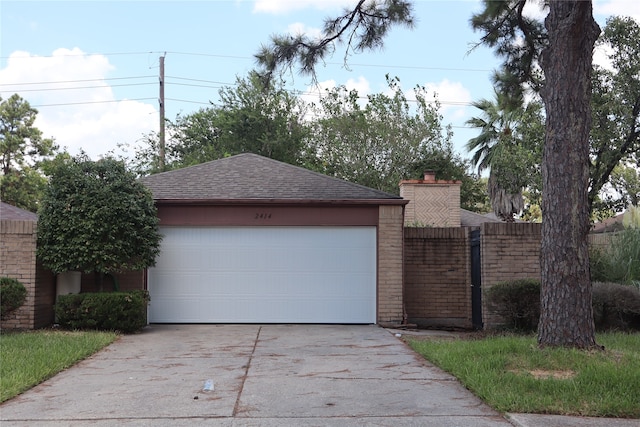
(91, 67)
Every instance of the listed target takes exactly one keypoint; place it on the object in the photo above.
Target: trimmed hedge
(109, 311)
(517, 301)
(12, 295)
(615, 306)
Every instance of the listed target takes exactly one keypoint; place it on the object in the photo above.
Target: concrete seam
(246, 373)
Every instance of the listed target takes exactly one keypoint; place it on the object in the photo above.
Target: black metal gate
(476, 281)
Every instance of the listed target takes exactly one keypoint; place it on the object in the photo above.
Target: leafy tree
(252, 117)
(509, 144)
(377, 144)
(23, 151)
(626, 181)
(615, 134)
(362, 28)
(564, 46)
(96, 217)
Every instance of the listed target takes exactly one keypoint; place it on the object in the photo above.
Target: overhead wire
(213, 84)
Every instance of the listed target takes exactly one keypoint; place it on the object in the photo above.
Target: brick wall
(390, 249)
(509, 251)
(437, 277)
(18, 261)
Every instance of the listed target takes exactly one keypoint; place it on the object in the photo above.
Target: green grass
(28, 358)
(512, 374)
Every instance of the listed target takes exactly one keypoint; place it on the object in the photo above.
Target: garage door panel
(265, 275)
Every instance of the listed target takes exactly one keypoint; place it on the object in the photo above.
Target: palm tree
(497, 123)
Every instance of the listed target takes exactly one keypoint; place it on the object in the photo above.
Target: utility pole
(161, 153)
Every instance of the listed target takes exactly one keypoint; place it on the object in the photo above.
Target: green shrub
(12, 295)
(616, 306)
(110, 311)
(517, 301)
(620, 261)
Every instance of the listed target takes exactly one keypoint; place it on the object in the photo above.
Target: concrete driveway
(269, 375)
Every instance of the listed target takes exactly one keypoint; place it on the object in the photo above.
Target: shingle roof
(13, 213)
(473, 219)
(253, 177)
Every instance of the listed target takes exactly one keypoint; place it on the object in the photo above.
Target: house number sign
(262, 215)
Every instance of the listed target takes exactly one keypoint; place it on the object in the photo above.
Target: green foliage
(512, 375)
(517, 301)
(616, 306)
(252, 118)
(515, 37)
(380, 142)
(362, 28)
(96, 217)
(614, 137)
(620, 261)
(625, 180)
(113, 311)
(510, 145)
(12, 296)
(23, 152)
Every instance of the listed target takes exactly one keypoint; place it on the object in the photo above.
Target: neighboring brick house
(18, 237)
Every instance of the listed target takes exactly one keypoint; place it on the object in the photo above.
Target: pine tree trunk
(566, 312)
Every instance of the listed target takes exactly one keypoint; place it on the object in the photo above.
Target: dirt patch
(543, 374)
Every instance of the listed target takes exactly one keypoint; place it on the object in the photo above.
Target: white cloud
(313, 93)
(299, 29)
(361, 84)
(535, 10)
(453, 96)
(618, 7)
(601, 56)
(98, 123)
(285, 6)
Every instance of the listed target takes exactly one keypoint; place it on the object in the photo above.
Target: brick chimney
(432, 202)
(429, 176)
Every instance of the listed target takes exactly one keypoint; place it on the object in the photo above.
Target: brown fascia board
(296, 202)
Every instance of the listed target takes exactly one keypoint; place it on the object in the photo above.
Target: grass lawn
(512, 374)
(28, 358)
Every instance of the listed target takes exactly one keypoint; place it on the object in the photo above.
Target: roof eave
(332, 202)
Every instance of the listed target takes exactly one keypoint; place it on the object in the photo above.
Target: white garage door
(264, 275)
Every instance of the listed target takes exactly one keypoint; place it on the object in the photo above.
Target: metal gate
(476, 281)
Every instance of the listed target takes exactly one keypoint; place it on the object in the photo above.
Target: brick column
(18, 261)
(390, 264)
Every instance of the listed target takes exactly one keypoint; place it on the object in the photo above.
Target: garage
(265, 275)
(248, 239)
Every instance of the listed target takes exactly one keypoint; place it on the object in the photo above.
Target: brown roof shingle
(253, 177)
(13, 213)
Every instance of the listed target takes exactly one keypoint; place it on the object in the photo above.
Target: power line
(78, 54)
(189, 102)
(200, 80)
(91, 102)
(75, 81)
(85, 87)
(211, 55)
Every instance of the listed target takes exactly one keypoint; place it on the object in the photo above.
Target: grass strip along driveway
(511, 374)
(28, 358)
